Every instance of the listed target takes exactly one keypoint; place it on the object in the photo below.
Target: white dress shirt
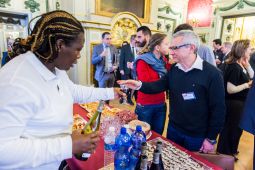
(36, 113)
(198, 64)
(108, 59)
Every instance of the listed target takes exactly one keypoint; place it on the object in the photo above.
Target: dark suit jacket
(248, 119)
(126, 55)
(219, 54)
(252, 61)
(99, 62)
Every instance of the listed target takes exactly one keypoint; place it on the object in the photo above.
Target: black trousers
(231, 133)
(129, 92)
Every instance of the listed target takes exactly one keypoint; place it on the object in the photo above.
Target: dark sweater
(199, 117)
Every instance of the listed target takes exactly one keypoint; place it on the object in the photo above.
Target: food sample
(78, 122)
(145, 126)
(174, 158)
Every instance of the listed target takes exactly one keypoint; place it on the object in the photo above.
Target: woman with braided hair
(36, 99)
(149, 67)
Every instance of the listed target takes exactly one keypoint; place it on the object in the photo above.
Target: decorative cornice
(239, 4)
(32, 5)
(97, 23)
(4, 2)
(168, 10)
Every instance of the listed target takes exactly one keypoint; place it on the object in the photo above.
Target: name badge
(189, 96)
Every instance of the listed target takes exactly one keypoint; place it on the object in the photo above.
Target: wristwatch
(213, 142)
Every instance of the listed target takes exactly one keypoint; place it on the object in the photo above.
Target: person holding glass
(105, 59)
(36, 99)
(196, 93)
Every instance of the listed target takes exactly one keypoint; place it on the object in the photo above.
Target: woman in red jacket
(149, 67)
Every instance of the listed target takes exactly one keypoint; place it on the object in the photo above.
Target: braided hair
(51, 27)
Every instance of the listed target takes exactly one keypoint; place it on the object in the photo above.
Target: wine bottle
(91, 126)
(155, 162)
(143, 153)
(159, 148)
(143, 164)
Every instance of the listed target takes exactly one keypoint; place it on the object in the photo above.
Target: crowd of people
(207, 92)
(206, 88)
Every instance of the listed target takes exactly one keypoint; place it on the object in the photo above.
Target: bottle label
(86, 155)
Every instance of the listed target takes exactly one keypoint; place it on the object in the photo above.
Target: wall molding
(168, 10)
(239, 4)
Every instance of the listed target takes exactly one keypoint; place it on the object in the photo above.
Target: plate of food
(145, 127)
(91, 108)
(78, 122)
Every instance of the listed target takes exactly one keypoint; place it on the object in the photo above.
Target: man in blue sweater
(196, 92)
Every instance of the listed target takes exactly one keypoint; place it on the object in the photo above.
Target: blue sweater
(201, 116)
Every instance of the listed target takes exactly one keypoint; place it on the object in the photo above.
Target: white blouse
(36, 113)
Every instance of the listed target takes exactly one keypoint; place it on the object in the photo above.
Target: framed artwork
(228, 29)
(169, 25)
(166, 24)
(161, 25)
(141, 8)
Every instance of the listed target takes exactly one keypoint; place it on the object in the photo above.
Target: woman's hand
(131, 84)
(118, 93)
(84, 143)
(250, 83)
(245, 62)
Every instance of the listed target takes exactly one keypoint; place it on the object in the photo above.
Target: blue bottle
(121, 158)
(137, 138)
(123, 139)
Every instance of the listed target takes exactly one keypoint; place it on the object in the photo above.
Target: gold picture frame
(146, 10)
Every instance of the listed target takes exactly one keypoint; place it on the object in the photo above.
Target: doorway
(238, 27)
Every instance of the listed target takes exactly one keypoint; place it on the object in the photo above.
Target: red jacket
(146, 74)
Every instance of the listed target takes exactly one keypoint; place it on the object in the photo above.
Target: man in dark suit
(252, 60)
(248, 118)
(104, 57)
(217, 51)
(127, 56)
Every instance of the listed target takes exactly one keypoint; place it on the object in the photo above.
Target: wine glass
(124, 89)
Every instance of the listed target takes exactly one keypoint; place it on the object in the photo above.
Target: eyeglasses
(178, 47)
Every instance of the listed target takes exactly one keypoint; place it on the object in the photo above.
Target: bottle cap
(159, 142)
(144, 143)
(139, 128)
(123, 130)
(112, 129)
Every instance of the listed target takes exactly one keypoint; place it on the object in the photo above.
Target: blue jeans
(188, 142)
(154, 114)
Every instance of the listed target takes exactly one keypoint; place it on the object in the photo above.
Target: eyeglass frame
(178, 47)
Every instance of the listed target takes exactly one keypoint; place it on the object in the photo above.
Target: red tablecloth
(96, 161)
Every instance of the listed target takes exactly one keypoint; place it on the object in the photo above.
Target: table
(96, 161)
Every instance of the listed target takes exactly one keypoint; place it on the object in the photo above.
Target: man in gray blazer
(104, 57)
